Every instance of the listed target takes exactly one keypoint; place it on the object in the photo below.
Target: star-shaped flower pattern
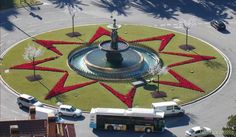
(127, 99)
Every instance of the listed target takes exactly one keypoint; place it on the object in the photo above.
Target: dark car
(219, 25)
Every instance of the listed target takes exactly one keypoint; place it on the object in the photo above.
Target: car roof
(167, 103)
(26, 96)
(65, 106)
(196, 128)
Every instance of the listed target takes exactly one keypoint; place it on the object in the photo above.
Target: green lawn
(205, 74)
(5, 4)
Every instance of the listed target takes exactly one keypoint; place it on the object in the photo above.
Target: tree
(31, 52)
(230, 129)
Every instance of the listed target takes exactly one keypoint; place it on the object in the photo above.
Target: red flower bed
(126, 99)
(101, 32)
(32, 65)
(182, 82)
(164, 40)
(60, 88)
(49, 44)
(195, 58)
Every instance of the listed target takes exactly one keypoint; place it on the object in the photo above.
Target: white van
(170, 108)
(42, 113)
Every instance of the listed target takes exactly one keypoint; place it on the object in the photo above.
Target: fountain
(113, 47)
(113, 59)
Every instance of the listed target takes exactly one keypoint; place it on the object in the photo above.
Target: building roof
(26, 127)
(67, 130)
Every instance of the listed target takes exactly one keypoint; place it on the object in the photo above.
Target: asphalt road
(18, 24)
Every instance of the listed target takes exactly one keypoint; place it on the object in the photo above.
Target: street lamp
(72, 9)
(72, 12)
(186, 34)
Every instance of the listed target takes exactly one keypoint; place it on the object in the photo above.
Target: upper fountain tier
(114, 45)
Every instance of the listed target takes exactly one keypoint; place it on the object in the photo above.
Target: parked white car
(67, 110)
(25, 100)
(198, 132)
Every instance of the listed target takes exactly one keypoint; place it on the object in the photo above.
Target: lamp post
(186, 33)
(158, 84)
(72, 12)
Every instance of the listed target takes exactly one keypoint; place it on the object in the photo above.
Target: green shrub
(230, 129)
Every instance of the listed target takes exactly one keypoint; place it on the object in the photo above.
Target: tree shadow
(150, 87)
(72, 3)
(205, 9)
(32, 8)
(61, 98)
(157, 9)
(103, 133)
(44, 85)
(5, 16)
(33, 14)
(119, 6)
(4, 4)
(214, 64)
(15, 26)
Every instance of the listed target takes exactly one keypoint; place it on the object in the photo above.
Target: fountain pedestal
(114, 58)
(113, 47)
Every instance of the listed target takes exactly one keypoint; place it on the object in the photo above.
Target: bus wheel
(110, 128)
(148, 130)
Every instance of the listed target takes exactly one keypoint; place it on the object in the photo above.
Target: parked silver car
(198, 132)
(67, 110)
(25, 100)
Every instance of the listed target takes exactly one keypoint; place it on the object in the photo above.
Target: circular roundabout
(84, 72)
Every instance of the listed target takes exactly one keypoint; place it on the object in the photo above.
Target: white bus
(135, 119)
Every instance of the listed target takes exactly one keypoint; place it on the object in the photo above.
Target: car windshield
(191, 131)
(177, 107)
(221, 24)
(72, 108)
(34, 100)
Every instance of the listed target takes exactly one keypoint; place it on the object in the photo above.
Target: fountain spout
(114, 36)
